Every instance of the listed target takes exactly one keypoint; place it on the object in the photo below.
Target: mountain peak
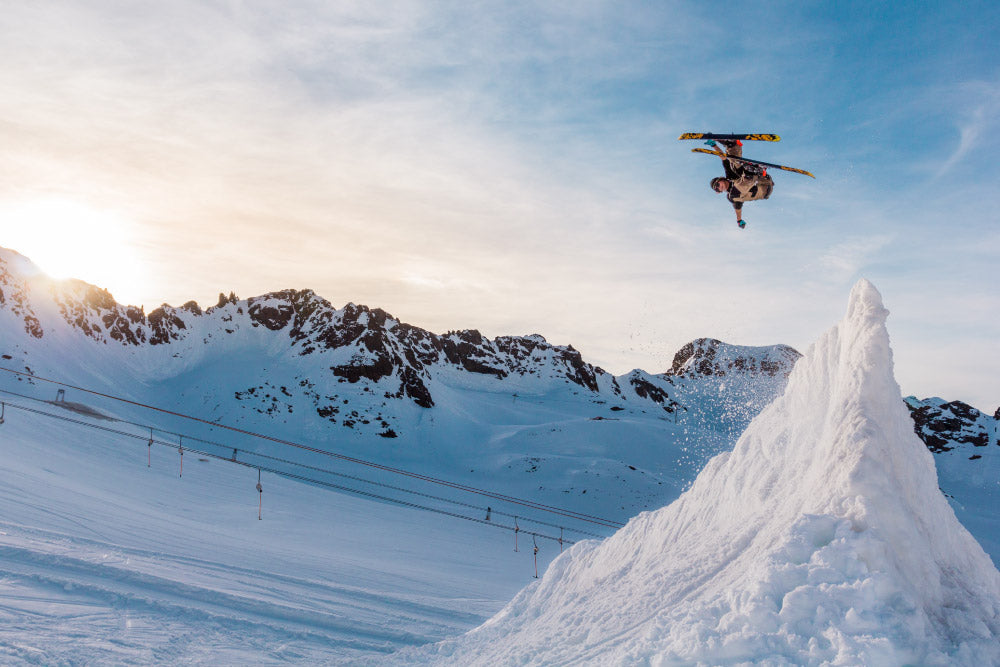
(711, 357)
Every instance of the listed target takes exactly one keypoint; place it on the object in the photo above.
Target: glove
(741, 223)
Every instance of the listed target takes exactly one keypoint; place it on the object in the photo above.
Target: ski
(730, 137)
(748, 160)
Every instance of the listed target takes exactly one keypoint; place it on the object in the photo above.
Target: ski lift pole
(517, 529)
(3, 409)
(149, 450)
(180, 448)
(260, 497)
(533, 541)
(560, 539)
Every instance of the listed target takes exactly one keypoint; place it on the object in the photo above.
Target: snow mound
(822, 538)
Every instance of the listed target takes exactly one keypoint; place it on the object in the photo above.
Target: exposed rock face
(643, 387)
(707, 357)
(164, 324)
(944, 426)
(95, 313)
(15, 295)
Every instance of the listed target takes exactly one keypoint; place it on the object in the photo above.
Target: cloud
(514, 170)
(847, 259)
(976, 107)
(314, 133)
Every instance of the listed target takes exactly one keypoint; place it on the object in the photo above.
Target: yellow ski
(748, 160)
(730, 137)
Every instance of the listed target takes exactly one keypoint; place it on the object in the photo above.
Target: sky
(513, 167)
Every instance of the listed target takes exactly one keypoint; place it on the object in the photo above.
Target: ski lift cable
(150, 441)
(290, 475)
(429, 496)
(427, 478)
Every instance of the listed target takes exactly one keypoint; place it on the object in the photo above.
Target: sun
(69, 239)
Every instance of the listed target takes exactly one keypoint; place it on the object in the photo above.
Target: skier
(743, 181)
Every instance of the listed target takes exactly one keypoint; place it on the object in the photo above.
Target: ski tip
(798, 171)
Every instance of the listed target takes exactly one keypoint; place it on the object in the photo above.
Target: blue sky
(513, 167)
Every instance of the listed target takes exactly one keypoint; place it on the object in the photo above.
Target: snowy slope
(821, 538)
(106, 561)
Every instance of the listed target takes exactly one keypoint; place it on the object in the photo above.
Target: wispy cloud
(976, 106)
(847, 259)
(514, 168)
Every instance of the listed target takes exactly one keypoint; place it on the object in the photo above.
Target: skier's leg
(733, 147)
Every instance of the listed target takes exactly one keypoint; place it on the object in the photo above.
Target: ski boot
(733, 147)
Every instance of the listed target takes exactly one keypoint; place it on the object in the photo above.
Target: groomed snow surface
(822, 538)
(106, 561)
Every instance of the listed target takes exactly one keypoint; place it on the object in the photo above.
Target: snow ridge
(822, 538)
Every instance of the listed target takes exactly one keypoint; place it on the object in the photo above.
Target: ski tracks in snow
(158, 607)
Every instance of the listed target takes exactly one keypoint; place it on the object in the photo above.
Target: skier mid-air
(743, 182)
(745, 179)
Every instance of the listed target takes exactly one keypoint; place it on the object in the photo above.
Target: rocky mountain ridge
(370, 348)
(710, 357)
(363, 344)
(945, 426)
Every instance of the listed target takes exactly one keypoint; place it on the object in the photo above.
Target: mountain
(359, 381)
(355, 342)
(945, 426)
(822, 538)
(966, 446)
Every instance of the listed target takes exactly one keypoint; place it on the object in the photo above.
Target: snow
(103, 560)
(19, 264)
(822, 538)
(783, 550)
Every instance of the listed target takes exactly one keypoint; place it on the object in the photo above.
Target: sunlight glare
(67, 239)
